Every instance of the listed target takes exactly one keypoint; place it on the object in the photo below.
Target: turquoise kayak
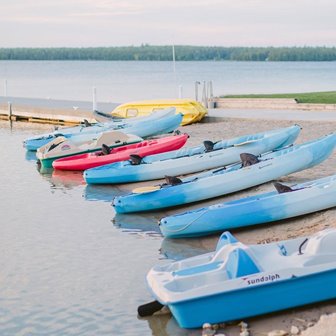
(238, 281)
(230, 179)
(159, 122)
(292, 201)
(191, 160)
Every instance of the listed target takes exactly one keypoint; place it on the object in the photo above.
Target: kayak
(107, 117)
(195, 159)
(87, 131)
(62, 147)
(229, 179)
(85, 161)
(238, 281)
(272, 206)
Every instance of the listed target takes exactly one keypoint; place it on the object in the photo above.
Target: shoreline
(301, 317)
(69, 112)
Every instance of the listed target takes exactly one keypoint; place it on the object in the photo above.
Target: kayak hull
(264, 299)
(191, 160)
(82, 162)
(258, 209)
(223, 181)
(144, 128)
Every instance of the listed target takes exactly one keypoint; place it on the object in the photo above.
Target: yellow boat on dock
(192, 110)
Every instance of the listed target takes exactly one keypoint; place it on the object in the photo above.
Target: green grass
(328, 97)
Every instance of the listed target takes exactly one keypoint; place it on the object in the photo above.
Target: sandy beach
(291, 228)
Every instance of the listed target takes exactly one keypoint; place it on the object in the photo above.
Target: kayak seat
(226, 239)
(322, 243)
(239, 264)
(199, 269)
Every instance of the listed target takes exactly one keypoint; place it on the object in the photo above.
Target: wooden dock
(44, 115)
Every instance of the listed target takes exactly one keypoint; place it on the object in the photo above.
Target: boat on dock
(285, 202)
(238, 281)
(228, 179)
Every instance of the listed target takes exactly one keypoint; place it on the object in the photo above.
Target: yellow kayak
(192, 110)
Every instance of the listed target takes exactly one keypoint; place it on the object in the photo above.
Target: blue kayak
(191, 160)
(230, 179)
(297, 200)
(160, 122)
(238, 281)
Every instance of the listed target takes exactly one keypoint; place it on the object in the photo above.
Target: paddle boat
(62, 147)
(238, 281)
(228, 179)
(157, 123)
(192, 110)
(284, 202)
(95, 159)
(190, 160)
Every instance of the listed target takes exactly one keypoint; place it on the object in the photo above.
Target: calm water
(124, 81)
(68, 266)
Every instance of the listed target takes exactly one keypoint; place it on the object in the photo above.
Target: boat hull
(224, 181)
(186, 162)
(256, 300)
(82, 162)
(143, 129)
(258, 209)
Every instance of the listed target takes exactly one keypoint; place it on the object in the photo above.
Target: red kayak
(140, 149)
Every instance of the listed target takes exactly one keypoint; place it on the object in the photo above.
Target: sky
(92, 23)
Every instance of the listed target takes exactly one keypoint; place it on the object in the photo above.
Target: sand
(305, 225)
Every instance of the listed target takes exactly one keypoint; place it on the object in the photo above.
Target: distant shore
(147, 52)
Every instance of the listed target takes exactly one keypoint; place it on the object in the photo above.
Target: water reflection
(166, 325)
(177, 249)
(135, 223)
(62, 180)
(104, 193)
(68, 179)
(30, 156)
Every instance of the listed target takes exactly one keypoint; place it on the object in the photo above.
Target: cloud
(215, 22)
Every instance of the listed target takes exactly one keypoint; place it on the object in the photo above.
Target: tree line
(164, 53)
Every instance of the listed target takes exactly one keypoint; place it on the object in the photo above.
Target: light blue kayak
(156, 123)
(305, 198)
(238, 281)
(191, 160)
(230, 179)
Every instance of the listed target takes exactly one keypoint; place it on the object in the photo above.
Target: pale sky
(90, 23)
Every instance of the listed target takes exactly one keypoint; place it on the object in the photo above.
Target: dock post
(94, 99)
(204, 95)
(180, 91)
(211, 102)
(10, 111)
(196, 89)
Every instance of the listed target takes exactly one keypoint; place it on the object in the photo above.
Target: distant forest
(164, 53)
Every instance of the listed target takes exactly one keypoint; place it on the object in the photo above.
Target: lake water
(67, 266)
(121, 81)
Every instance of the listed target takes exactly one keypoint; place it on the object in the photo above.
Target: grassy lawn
(328, 97)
